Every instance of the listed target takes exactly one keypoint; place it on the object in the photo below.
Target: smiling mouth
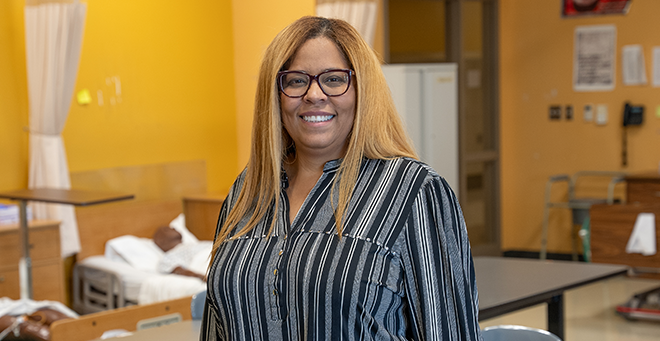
(318, 118)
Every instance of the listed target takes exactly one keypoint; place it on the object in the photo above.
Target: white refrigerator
(426, 96)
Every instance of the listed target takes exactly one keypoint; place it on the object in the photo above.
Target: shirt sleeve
(440, 281)
(211, 328)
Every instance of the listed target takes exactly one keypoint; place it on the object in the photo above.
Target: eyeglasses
(333, 83)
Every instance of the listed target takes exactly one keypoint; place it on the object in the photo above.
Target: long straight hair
(377, 129)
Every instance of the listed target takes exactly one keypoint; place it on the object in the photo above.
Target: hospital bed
(99, 284)
(117, 266)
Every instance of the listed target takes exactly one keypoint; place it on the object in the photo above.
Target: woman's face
(318, 124)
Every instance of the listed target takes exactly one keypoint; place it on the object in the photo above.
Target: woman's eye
(334, 80)
(296, 82)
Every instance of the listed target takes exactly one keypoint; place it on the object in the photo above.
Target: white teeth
(315, 119)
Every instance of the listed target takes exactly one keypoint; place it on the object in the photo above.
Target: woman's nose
(314, 93)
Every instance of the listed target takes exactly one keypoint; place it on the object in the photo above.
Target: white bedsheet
(130, 277)
(168, 287)
(135, 261)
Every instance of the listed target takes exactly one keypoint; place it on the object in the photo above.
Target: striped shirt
(402, 269)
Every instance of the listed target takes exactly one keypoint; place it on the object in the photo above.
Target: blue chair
(517, 333)
(197, 305)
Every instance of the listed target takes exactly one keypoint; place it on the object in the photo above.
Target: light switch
(601, 114)
(588, 113)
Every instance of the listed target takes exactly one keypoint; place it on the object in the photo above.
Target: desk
(509, 284)
(184, 330)
(55, 196)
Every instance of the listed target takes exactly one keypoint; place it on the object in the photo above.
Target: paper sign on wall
(634, 70)
(594, 58)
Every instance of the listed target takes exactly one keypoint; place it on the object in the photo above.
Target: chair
(578, 205)
(517, 333)
(197, 305)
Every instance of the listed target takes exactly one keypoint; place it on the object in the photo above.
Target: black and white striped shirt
(402, 269)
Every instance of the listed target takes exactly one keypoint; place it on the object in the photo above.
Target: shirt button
(275, 272)
(281, 252)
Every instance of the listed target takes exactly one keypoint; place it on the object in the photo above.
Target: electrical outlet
(555, 112)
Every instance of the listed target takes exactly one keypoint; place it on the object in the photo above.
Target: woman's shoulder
(410, 167)
(235, 188)
(416, 171)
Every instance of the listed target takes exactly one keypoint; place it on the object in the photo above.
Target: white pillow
(179, 224)
(141, 253)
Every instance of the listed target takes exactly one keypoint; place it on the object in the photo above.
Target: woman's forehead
(317, 55)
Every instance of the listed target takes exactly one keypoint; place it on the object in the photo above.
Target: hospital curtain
(360, 14)
(53, 39)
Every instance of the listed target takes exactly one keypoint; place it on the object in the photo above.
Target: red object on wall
(594, 7)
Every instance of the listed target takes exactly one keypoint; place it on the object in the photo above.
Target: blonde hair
(377, 129)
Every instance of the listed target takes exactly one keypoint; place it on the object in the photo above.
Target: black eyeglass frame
(312, 78)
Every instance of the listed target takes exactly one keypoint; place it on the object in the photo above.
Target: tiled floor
(590, 315)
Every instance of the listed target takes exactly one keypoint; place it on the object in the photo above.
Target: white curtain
(53, 39)
(360, 14)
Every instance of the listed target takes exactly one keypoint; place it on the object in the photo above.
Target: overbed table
(509, 284)
(53, 196)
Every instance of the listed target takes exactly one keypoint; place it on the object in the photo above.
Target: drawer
(46, 281)
(9, 286)
(44, 244)
(643, 191)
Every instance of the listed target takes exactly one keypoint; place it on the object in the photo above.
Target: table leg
(25, 264)
(556, 315)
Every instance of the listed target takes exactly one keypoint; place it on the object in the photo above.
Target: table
(509, 284)
(54, 196)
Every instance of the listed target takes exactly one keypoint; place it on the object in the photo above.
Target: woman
(335, 231)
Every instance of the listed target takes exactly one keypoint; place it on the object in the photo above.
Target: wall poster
(572, 8)
(594, 58)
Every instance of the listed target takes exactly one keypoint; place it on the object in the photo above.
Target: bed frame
(158, 191)
(92, 326)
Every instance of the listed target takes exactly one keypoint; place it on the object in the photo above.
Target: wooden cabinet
(643, 187)
(611, 225)
(47, 268)
(201, 213)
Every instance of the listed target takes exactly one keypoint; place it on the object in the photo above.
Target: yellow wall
(174, 63)
(536, 54)
(256, 23)
(13, 97)
(180, 99)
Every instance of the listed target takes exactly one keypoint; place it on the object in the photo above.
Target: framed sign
(571, 8)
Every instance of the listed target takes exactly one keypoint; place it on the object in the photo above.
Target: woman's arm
(440, 282)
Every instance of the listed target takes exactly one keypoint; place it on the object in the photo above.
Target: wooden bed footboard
(92, 326)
